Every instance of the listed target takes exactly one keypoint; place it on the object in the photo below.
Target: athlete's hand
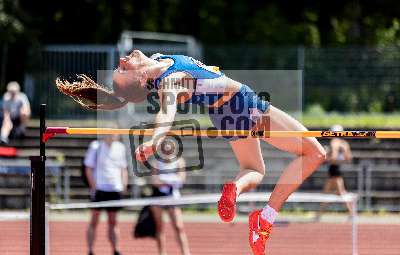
(145, 150)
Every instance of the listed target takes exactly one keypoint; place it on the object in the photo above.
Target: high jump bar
(52, 131)
(209, 199)
(213, 198)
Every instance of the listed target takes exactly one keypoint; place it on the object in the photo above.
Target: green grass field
(353, 120)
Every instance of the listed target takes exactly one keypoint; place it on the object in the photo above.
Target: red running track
(212, 238)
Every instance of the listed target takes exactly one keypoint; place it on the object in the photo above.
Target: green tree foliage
(309, 23)
(237, 34)
(10, 28)
(10, 25)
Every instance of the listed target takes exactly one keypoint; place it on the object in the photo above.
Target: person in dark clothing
(339, 152)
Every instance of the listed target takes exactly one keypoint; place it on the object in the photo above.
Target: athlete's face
(130, 78)
(134, 61)
(132, 67)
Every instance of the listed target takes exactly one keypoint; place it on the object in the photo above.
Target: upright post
(360, 185)
(38, 195)
(42, 129)
(368, 188)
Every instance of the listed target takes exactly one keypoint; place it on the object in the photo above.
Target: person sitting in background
(167, 183)
(339, 152)
(16, 113)
(106, 171)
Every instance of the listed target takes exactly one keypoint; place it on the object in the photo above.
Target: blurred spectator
(107, 175)
(168, 184)
(339, 152)
(16, 112)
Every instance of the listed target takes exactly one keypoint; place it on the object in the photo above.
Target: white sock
(237, 193)
(4, 138)
(269, 214)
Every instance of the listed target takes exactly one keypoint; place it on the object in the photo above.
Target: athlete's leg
(175, 214)
(91, 231)
(341, 190)
(251, 162)
(328, 187)
(6, 128)
(113, 231)
(160, 235)
(310, 154)
(252, 171)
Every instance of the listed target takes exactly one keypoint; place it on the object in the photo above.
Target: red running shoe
(259, 231)
(227, 202)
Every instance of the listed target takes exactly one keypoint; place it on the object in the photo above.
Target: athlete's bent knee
(316, 151)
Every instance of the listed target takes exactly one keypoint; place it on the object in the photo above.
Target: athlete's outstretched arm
(163, 120)
(166, 115)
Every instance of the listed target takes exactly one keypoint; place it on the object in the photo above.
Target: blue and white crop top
(210, 81)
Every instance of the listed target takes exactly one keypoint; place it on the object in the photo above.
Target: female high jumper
(222, 95)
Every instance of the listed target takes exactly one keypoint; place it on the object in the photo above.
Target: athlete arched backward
(187, 80)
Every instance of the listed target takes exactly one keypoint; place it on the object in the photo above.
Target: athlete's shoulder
(215, 70)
